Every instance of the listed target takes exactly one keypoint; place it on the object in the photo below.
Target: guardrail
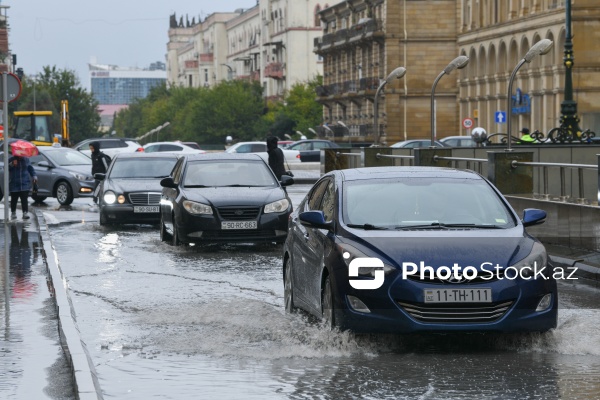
(563, 167)
(512, 172)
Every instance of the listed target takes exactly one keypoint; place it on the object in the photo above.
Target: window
(316, 196)
(328, 204)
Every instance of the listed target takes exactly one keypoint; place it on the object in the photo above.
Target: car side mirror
(99, 176)
(315, 219)
(44, 164)
(286, 180)
(533, 216)
(168, 182)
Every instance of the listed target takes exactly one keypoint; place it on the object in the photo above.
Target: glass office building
(112, 85)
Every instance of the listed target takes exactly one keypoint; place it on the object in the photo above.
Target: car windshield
(141, 167)
(422, 202)
(67, 157)
(218, 173)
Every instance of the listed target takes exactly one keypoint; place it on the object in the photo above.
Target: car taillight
(298, 155)
(140, 149)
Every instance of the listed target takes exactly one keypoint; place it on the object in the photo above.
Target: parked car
(172, 147)
(130, 190)
(62, 173)
(260, 148)
(458, 141)
(372, 250)
(223, 197)
(413, 143)
(284, 143)
(310, 149)
(193, 145)
(110, 146)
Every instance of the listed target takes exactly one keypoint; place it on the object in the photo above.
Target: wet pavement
(32, 362)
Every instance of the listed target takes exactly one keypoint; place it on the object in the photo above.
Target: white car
(109, 146)
(171, 147)
(260, 148)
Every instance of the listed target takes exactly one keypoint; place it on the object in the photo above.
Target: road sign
(14, 87)
(467, 123)
(500, 117)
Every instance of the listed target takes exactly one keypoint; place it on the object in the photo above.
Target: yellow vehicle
(35, 126)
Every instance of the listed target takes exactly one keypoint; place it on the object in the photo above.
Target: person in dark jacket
(276, 157)
(100, 163)
(21, 174)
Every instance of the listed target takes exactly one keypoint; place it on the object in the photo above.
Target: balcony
(274, 70)
(206, 57)
(191, 64)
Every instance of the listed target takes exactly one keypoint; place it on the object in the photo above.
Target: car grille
(497, 275)
(145, 198)
(239, 213)
(447, 313)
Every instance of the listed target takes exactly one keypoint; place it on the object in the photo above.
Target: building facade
(270, 43)
(496, 35)
(364, 40)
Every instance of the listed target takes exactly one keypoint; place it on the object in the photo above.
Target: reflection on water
(20, 259)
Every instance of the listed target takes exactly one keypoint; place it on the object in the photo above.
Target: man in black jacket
(100, 163)
(276, 157)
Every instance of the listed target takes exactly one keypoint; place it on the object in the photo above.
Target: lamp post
(395, 74)
(311, 130)
(458, 63)
(340, 123)
(540, 48)
(568, 107)
(328, 129)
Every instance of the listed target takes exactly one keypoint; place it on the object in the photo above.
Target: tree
(45, 91)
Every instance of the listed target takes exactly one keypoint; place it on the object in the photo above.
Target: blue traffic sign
(500, 117)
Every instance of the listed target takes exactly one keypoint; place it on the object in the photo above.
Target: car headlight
(277, 206)
(197, 208)
(536, 261)
(81, 177)
(350, 253)
(109, 197)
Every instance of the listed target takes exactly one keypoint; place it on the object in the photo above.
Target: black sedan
(130, 190)
(417, 249)
(310, 149)
(221, 198)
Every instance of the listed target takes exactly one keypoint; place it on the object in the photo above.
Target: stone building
(364, 40)
(270, 43)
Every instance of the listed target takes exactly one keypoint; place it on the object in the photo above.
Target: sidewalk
(41, 352)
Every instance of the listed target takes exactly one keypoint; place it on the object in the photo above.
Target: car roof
(223, 156)
(456, 137)
(43, 149)
(181, 143)
(147, 155)
(406, 172)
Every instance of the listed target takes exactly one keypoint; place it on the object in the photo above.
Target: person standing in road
(276, 157)
(21, 174)
(100, 163)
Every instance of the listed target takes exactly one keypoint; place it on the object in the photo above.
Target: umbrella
(23, 148)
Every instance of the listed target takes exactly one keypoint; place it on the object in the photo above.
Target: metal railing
(401, 157)
(563, 185)
(477, 161)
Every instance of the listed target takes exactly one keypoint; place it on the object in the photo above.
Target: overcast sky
(127, 33)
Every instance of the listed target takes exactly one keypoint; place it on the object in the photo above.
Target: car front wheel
(288, 292)
(327, 305)
(64, 193)
(164, 235)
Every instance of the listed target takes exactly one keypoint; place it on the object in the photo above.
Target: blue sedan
(416, 249)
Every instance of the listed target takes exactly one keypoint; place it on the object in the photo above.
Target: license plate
(475, 295)
(145, 209)
(239, 225)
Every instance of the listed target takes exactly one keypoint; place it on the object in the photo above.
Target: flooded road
(209, 322)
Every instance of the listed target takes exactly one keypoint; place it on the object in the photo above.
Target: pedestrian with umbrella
(20, 176)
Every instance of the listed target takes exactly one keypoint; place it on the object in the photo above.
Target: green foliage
(45, 91)
(208, 115)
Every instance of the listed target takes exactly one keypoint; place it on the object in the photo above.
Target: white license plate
(145, 209)
(474, 295)
(239, 225)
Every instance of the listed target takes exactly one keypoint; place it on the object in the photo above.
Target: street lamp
(395, 74)
(343, 125)
(328, 129)
(311, 130)
(458, 63)
(540, 48)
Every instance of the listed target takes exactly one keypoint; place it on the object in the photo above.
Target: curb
(84, 374)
